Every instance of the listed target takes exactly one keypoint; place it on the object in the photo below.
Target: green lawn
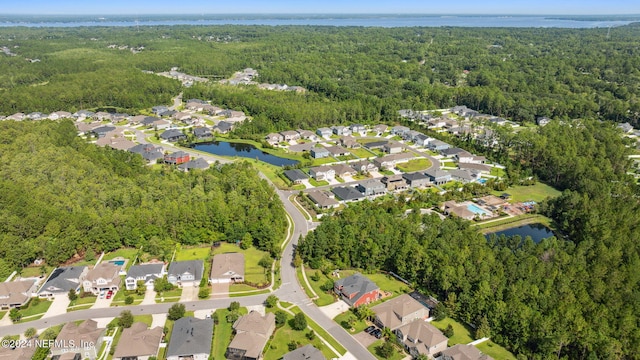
(83, 301)
(414, 165)
(278, 345)
(118, 299)
(301, 281)
(318, 183)
(362, 153)
(198, 253)
(373, 348)
(40, 308)
(389, 283)
(461, 334)
(126, 253)
(495, 351)
(170, 296)
(448, 163)
(343, 320)
(322, 332)
(253, 272)
(496, 171)
(147, 319)
(346, 157)
(515, 221)
(386, 172)
(323, 297)
(322, 161)
(258, 292)
(234, 288)
(35, 271)
(537, 192)
(221, 335)
(361, 177)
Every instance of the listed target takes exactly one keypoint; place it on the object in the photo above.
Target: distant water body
(363, 21)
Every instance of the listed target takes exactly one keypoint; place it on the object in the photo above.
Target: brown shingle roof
(227, 265)
(86, 332)
(391, 312)
(138, 340)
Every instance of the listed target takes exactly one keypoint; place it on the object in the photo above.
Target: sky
(138, 7)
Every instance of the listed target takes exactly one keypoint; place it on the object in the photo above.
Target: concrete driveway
(103, 303)
(149, 297)
(220, 290)
(335, 309)
(59, 306)
(158, 320)
(189, 293)
(365, 339)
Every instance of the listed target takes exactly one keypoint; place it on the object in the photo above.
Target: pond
(244, 150)
(536, 231)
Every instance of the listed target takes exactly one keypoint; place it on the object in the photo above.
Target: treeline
(574, 297)
(60, 196)
(365, 73)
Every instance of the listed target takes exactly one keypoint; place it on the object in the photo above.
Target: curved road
(290, 291)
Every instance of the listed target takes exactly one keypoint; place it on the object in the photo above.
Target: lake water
(536, 231)
(242, 150)
(318, 20)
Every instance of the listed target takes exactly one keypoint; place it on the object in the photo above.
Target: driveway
(335, 309)
(158, 320)
(364, 338)
(103, 303)
(149, 297)
(220, 290)
(59, 306)
(189, 293)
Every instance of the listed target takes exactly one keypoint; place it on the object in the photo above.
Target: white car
(101, 294)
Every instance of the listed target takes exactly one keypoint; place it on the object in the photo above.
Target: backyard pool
(117, 262)
(477, 210)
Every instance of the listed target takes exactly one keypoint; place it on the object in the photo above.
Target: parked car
(369, 329)
(377, 333)
(101, 294)
(109, 294)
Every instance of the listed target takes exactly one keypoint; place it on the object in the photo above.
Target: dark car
(369, 329)
(377, 333)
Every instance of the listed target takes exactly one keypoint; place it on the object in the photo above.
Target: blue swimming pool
(482, 181)
(476, 210)
(117, 262)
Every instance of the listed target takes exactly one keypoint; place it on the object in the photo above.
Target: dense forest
(352, 73)
(576, 297)
(61, 196)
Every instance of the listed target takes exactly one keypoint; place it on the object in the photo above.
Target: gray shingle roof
(347, 193)
(295, 175)
(307, 352)
(144, 270)
(63, 279)
(190, 336)
(194, 267)
(356, 283)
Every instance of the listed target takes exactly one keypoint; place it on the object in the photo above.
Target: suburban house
(252, 332)
(104, 276)
(343, 170)
(422, 140)
(419, 337)
(149, 152)
(416, 179)
(190, 339)
(390, 161)
(296, 176)
(173, 135)
(176, 158)
(319, 152)
(338, 150)
(463, 352)
(399, 311)
(118, 143)
(322, 199)
(453, 152)
(17, 353)
(185, 273)
(394, 182)
(138, 342)
(102, 131)
(307, 352)
(159, 109)
(410, 135)
(62, 280)
(324, 132)
(59, 115)
(371, 187)
(357, 290)
(290, 135)
(347, 193)
(363, 166)
(223, 127)
(274, 138)
(358, 128)
(380, 129)
(320, 173)
(341, 130)
(349, 142)
(202, 132)
(498, 121)
(437, 145)
(464, 176)
(198, 163)
(438, 177)
(16, 293)
(148, 120)
(181, 116)
(147, 273)
(392, 148)
(375, 144)
(399, 130)
(84, 339)
(307, 135)
(482, 168)
(227, 268)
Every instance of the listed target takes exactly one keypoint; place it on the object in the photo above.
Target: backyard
(414, 165)
(362, 153)
(374, 349)
(324, 298)
(461, 334)
(495, 351)
(537, 192)
(198, 253)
